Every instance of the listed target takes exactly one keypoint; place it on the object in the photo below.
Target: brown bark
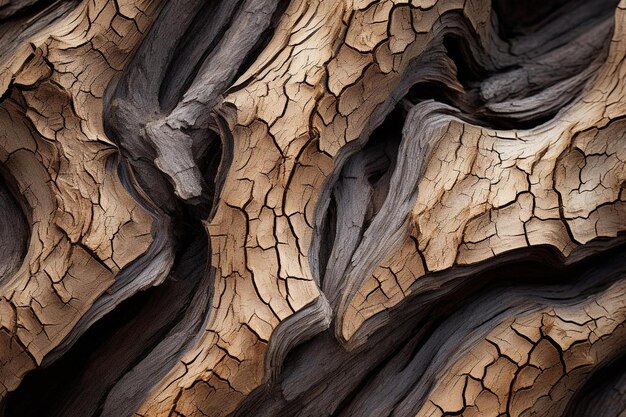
(311, 208)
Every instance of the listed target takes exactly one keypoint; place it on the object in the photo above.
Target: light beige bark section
(85, 226)
(534, 363)
(287, 125)
(312, 91)
(488, 191)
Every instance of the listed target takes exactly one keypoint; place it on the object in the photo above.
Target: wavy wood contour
(312, 208)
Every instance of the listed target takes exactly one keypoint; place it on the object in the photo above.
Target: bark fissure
(310, 208)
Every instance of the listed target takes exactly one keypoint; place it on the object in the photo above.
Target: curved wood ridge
(312, 208)
(85, 227)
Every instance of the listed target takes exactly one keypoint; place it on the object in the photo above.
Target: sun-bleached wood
(364, 208)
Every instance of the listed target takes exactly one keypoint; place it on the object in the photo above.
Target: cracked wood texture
(312, 208)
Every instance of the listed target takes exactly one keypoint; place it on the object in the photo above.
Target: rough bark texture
(312, 208)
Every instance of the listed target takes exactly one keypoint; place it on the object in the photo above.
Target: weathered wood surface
(312, 208)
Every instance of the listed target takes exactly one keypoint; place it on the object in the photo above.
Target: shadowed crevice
(401, 350)
(14, 226)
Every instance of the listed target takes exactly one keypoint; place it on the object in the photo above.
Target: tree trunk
(312, 208)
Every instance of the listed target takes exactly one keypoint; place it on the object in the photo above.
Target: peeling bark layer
(312, 208)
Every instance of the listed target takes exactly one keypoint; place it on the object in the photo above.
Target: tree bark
(312, 208)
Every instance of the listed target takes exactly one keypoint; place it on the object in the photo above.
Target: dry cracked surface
(311, 208)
